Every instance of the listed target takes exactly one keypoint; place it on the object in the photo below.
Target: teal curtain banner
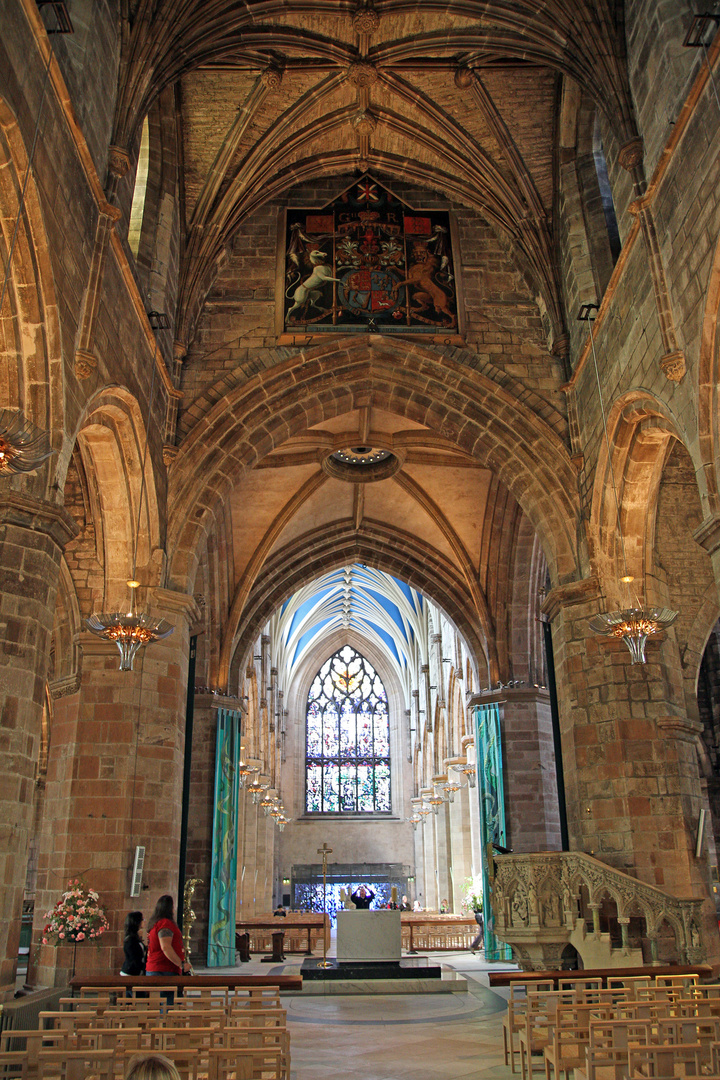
(223, 874)
(491, 797)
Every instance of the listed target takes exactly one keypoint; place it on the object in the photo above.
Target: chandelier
(634, 625)
(435, 802)
(451, 787)
(129, 631)
(243, 770)
(256, 789)
(467, 770)
(23, 447)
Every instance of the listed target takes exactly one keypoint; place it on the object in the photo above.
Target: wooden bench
(507, 978)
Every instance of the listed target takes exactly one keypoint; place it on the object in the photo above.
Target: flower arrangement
(77, 916)
(472, 897)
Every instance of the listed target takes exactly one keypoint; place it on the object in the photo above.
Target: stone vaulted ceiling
(459, 99)
(456, 97)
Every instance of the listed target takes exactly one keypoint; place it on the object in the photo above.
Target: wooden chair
(62, 1020)
(514, 1018)
(184, 1038)
(15, 1065)
(64, 1064)
(247, 1063)
(214, 1018)
(539, 1019)
(669, 1062)
(606, 1054)
(229, 1065)
(570, 1035)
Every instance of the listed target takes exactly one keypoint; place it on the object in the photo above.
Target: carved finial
(85, 364)
(365, 20)
(364, 123)
(118, 162)
(674, 366)
(362, 74)
(272, 77)
(631, 154)
(463, 78)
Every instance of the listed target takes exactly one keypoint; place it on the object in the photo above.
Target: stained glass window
(348, 738)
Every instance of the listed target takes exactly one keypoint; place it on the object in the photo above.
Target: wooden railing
(434, 933)
(303, 932)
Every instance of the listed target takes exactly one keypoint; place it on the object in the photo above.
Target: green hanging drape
(221, 936)
(491, 798)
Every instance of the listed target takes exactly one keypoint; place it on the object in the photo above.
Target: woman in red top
(166, 955)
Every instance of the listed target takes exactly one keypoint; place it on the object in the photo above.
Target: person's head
(133, 922)
(151, 1067)
(361, 891)
(404, 899)
(164, 909)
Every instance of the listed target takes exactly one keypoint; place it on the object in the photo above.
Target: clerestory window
(348, 738)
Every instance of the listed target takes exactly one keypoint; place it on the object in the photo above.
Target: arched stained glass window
(348, 738)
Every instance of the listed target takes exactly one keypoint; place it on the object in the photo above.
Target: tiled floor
(389, 1037)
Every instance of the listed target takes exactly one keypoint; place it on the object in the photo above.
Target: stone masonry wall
(503, 323)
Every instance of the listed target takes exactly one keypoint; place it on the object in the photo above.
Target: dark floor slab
(418, 968)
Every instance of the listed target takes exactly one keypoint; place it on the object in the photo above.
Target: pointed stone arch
(404, 557)
(111, 440)
(32, 369)
(468, 410)
(640, 433)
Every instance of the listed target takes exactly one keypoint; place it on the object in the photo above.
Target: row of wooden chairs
(656, 1018)
(209, 1034)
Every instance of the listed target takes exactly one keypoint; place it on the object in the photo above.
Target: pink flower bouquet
(77, 916)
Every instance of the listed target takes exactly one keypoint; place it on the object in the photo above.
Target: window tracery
(347, 738)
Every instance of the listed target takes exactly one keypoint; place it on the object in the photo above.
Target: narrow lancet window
(348, 738)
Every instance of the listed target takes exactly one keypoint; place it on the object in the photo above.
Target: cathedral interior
(375, 344)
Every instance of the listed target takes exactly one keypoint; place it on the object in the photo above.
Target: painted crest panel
(369, 263)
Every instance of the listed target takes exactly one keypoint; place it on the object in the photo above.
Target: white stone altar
(368, 935)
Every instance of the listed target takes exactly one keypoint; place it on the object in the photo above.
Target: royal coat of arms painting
(367, 263)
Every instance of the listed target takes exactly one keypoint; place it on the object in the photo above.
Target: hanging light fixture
(415, 820)
(450, 788)
(467, 771)
(133, 630)
(633, 624)
(256, 789)
(23, 447)
(434, 802)
(266, 803)
(243, 770)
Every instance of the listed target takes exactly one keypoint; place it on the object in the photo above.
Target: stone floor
(393, 1036)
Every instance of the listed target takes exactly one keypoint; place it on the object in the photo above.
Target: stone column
(32, 537)
(632, 781)
(114, 782)
(528, 767)
(430, 899)
(443, 848)
(459, 814)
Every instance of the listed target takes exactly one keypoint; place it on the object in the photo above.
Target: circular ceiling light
(361, 464)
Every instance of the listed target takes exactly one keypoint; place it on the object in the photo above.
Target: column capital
(204, 700)
(682, 727)
(707, 534)
(27, 512)
(176, 603)
(574, 592)
(510, 693)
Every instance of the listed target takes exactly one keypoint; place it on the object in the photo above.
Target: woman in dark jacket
(133, 945)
